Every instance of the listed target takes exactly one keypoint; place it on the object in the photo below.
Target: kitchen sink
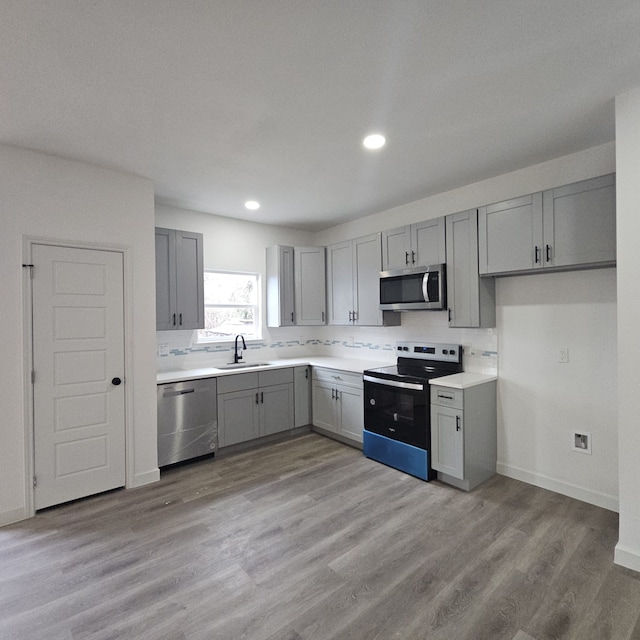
(242, 365)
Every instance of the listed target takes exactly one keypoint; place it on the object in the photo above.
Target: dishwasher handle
(171, 393)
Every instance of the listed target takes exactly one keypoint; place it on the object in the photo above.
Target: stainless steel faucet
(238, 356)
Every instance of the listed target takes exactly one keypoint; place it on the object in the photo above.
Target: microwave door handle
(425, 287)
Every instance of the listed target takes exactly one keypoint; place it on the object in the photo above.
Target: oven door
(398, 410)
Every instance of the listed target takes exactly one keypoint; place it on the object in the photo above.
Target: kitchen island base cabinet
(464, 434)
(337, 404)
(253, 405)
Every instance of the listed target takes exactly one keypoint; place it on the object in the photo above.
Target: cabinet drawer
(275, 376)
(336, 376)
(237, 382)
(447, 397)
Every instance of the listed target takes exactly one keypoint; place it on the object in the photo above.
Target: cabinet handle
(180, 319)
(548, 250)
(323, 317)
(337, 395)
(350, 316)
(537, 252)
(262, 397)
(413, 257)
(445, 397)
(449, 310)
(292, 316)
(457, 423)
(333, 394)
(355, 316)
(306, 373)
(406, 257)
(174, 319)
(257, 396)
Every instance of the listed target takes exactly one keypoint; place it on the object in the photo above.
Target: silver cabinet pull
(457, 423)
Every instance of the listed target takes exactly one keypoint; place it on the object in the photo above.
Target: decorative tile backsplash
(180, 349)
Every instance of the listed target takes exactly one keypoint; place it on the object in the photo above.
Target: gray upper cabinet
(309, 284)
(579, 223)
(567, 227)
(280, 287)
(179, 280)
(296, 291)
(471, 299)
(414, 245)
(508, 234)
(353, 277)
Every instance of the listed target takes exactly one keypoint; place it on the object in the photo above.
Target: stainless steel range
(396, 405)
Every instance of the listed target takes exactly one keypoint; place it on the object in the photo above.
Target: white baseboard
(625, 557)
(15, 515)
(565, 488)
(140, 479)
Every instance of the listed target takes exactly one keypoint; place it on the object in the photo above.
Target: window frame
(201, 339)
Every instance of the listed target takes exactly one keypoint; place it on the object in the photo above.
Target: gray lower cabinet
(567, 227)
(254, 404)
(470, 298)
(464, 434)
(338, 403)
(302, 395)
(179, 280)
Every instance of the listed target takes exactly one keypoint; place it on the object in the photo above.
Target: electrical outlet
(163, 350)
(563, 354)
(581, 441)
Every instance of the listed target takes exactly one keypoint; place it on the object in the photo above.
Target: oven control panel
(430, 351)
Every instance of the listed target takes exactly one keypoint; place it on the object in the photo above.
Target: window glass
(231, 306)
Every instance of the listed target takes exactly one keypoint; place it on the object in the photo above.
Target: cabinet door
(340, 282)
(580, 223)
(471, 299)
(166, 317)
(367, 264)
(447, 441)
(310, 289)
(238, 417)
(396, 248)
(351, 418)
(324, 405)
(280, 286)
(302, 396)
(510, 235)
(276, 409)
(189, 280)
(428, 242)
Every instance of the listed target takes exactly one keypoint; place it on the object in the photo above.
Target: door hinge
(33, 377)
(35, 482)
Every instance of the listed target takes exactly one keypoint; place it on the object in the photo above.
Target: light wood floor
(307, 539)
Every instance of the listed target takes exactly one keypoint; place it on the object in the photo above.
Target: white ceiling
(219, 101)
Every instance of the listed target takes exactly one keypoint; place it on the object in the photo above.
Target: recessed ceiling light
(252, 205)
(374, 141)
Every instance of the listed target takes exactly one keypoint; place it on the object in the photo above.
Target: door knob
(116, 381)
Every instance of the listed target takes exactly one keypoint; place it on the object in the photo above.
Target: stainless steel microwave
(414, 289)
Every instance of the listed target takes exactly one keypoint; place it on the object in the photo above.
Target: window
(231, 306)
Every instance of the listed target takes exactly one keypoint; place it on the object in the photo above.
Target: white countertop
(353, 365)
(462, 380)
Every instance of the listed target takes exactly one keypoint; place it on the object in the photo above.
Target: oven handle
(394, 383)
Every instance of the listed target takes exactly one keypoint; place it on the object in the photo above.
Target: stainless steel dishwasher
(187, 420)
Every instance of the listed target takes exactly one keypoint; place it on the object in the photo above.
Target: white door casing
(78, 352)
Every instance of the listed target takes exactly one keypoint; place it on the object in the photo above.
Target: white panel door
(78, 359)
